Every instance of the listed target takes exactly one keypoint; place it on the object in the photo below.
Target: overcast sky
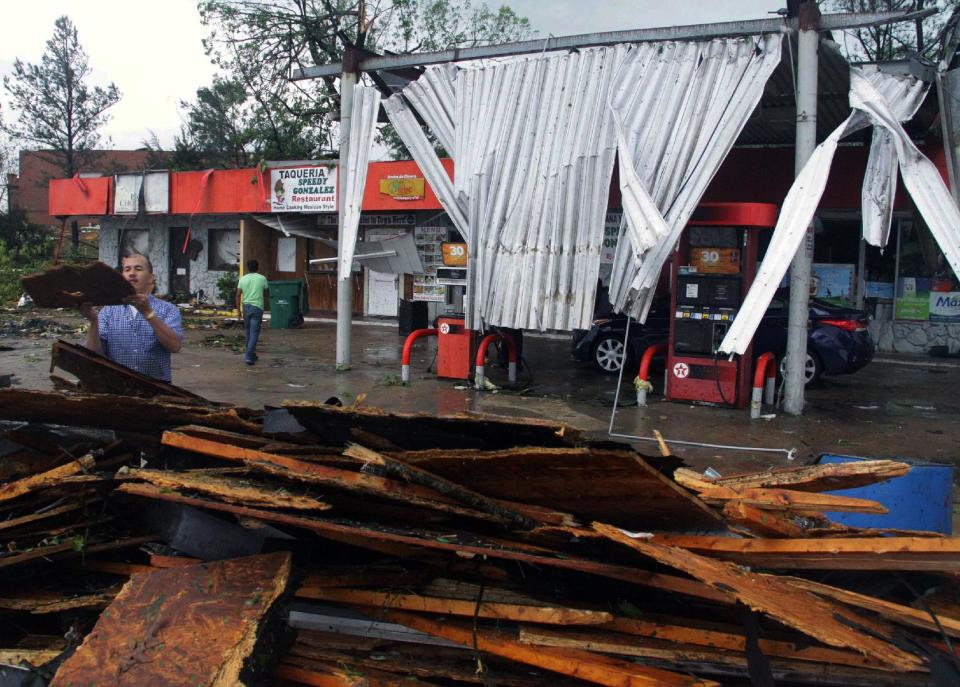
(151, 50)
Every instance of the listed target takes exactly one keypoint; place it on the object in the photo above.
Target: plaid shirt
(127, 338)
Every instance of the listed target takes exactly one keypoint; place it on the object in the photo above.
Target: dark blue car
(838, 340)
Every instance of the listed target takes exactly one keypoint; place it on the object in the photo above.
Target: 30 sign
(454, 254)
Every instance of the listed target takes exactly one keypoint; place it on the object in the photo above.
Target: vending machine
(711, 272)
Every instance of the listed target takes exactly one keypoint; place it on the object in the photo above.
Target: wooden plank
(421, 431)
(827, 622)
(299, 470)
(123, 413)
(612, 485)
(72, 547)
(703, 660)
(736, 641)
(584, 665)
(67, 286)
(227, 489)
(898, 613)
(548, 615)
(367, 537)
(763, 523)
(787, 500)
(100, 375)
(13, 523)
(400, 470)
(814, 478)
(50, 478)
(55, 603)
(185, 626)
(158, 561)
(836, 553)
(33, 657)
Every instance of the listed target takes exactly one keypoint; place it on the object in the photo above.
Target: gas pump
(712, 270)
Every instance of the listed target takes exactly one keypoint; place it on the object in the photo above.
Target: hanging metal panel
(366, 105)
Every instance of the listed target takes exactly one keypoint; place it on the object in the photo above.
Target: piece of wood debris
(187, 626)
(813, 478)
(67, 286)
(43, 480)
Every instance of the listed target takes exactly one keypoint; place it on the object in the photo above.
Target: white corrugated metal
(804, 196)
(534, 143)
(126, 193)
(156, 191)
(363, 125)
(707, 91)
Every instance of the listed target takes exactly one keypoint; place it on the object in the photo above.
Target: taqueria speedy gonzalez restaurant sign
(304, 189)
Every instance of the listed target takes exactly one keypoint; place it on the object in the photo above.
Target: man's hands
(89, 312)
(140, 302)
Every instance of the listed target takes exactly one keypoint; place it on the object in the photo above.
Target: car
(838, 341)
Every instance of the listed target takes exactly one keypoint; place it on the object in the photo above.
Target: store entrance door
(383, 292)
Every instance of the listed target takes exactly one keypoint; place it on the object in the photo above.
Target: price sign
(454, 254)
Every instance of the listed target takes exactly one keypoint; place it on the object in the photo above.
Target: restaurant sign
(403, 187)
(304, 189)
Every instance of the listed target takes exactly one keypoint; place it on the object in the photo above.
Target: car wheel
(812, 369)
(608, 354)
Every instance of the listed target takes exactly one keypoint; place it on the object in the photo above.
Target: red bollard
(482, 356)
(408, 347)
(766, 367)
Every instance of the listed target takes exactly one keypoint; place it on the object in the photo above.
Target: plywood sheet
(67, 286)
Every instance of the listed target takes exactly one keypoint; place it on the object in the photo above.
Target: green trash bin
(288, 303)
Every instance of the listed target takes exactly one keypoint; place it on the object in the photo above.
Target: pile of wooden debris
(171, 541)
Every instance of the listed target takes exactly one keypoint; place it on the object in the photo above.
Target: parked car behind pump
(838, 341)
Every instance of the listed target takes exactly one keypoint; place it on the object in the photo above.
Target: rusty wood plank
(584, 665)
(67, 286)
(548, 615)
(763, 523)
(124, 413)
(398, 469)
(420, 431)
(74, 546)
(158, 561)
(113, 567)
(227, 489)
(701, 659)
(333, 675)
(592, 483)
(735, 641)
(50, 478)
(359, 535)
(894, 612)
(55, 603)
(186, 626)
(835, 553)
(33, 657)
(826, 477)
(100, 375)
(295, 469)
(14, 523)
(827, 622)
(788, 500)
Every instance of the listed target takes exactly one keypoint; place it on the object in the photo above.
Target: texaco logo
(681, 370)
(444, 328)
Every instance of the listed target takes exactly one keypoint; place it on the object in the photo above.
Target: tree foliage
(256, 44)
(893, 41)
(57, 108)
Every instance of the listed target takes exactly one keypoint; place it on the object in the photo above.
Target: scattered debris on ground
(159, 538)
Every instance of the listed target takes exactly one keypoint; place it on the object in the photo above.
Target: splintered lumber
(894, 612)
(420, 431)
(843, 553)
(187, 626)
(294, 469)
(786, 499)
(764, 523)
(40, 604)
(825, 477)
(73, 546)
(613, 485)
(50, 478)
(700, 659)
(414, 543)
(584, 665)
(100, 375)
(67, 286)
(33, 657)
(548, 615)
(126, 413)
(825, 621)
(230, 490)
(397, 468)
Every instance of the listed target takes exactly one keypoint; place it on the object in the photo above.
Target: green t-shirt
(252, 285)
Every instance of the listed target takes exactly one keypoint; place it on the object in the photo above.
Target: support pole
(808, 40)
(344, 286)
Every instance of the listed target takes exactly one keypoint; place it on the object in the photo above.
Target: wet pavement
(895, 407)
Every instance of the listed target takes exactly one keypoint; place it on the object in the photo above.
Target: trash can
(412, 315)
(920, 500)
(288, 303)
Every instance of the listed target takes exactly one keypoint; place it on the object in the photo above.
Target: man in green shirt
(251, 290)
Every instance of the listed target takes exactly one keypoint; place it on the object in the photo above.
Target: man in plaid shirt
(141, 334)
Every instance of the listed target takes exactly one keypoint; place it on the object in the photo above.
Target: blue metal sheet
(920, 500)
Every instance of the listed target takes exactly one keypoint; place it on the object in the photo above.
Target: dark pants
(252, 319)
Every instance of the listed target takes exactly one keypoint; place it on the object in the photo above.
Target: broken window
(224, 252)
(134, 241)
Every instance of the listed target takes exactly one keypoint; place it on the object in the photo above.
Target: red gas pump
(712, 270)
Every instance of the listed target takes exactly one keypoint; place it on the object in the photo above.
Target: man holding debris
(251, 290)
(141, 334)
